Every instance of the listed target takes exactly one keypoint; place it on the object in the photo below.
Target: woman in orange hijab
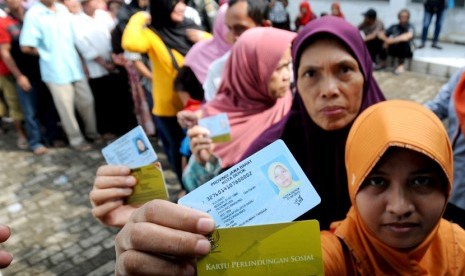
(399, 168)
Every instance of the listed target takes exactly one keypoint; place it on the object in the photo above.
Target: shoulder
(333, 254)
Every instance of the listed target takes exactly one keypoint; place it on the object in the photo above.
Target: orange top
(402, 124)
(459, 101)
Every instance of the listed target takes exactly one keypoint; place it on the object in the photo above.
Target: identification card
(133, 149)
(274, 249)
(268, 187)
(218, 126)
(150, 184)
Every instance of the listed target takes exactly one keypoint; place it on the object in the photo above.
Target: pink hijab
(203, 53)
(243, 94)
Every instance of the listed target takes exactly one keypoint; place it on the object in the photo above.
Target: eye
(346, 69)
(424, 182)
(310, 73)
(375, 181)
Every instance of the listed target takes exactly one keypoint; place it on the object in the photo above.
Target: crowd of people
(380, 167)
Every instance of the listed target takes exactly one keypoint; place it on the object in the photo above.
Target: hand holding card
(218, 126)
(133, 149)
(267, 187)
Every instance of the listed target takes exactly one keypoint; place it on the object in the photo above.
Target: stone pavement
(45, 199)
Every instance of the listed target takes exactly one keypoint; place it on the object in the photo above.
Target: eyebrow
(344, 61)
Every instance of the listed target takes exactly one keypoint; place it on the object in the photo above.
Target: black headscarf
(172, 33)
(124, 13)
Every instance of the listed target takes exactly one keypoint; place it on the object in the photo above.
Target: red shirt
(5, 38)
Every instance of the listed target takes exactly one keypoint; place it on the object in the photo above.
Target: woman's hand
(187, 118)
(200, 143)
(111, 185)
(162, 238)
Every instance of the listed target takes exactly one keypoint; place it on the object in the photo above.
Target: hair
(403, 10)
(257, 10)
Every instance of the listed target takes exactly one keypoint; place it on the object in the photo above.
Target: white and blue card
(268, 187)
(219, 127)
(133, 149)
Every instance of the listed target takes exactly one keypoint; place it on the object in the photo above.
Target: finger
(200, 148)
(101, 196)
(113, 170)
(5, 259)
(4, 232)
(105, 182)
(157, 239)
(133, 262)
(174, 216)
(102, 210)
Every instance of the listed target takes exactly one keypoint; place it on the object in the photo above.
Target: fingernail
(205, 225)
(131, 181)
(127, 191)
(202, 247)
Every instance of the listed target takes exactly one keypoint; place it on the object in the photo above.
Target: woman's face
(280, 80)
(402, 199)
(330, 84)
(334, 10)
(140, 145)
(282, 177)
(177, 15)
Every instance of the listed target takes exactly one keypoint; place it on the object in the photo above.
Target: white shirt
(214, 76)
(93, 39)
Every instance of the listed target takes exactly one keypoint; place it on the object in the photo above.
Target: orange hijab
(459, 102)
(402, 124)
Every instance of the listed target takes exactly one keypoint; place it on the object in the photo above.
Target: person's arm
(30, 35)
(440, 104)
(162, 238)
(30, 50)
(142, 69)
(112, 185)
(86, 49)
(195, 35)
(133, 38)
(21, 80)
(195, 174)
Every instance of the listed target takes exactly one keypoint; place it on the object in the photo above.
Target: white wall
(452, 29)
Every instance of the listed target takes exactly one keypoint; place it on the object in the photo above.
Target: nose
(329, 87)
(398, 202)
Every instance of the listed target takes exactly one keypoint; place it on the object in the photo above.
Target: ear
(267, 23)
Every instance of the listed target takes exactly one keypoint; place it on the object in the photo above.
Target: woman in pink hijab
(255, 94)
(192, 75)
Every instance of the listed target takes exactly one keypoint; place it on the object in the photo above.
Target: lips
(332, 110)
(403, 227)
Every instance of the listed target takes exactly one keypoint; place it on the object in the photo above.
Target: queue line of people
(334, 85)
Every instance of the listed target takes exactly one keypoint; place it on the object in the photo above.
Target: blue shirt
(51, 33)
(443, 105)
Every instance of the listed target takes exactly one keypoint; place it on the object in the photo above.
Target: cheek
(431, 207)
(370, 210)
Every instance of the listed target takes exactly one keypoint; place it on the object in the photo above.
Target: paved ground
(45, 199)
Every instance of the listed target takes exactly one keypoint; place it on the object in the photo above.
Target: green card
(150, 184)
(270, 249)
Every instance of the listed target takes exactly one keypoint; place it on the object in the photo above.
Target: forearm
(30, 50)
(10, 63)
(142, 69)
